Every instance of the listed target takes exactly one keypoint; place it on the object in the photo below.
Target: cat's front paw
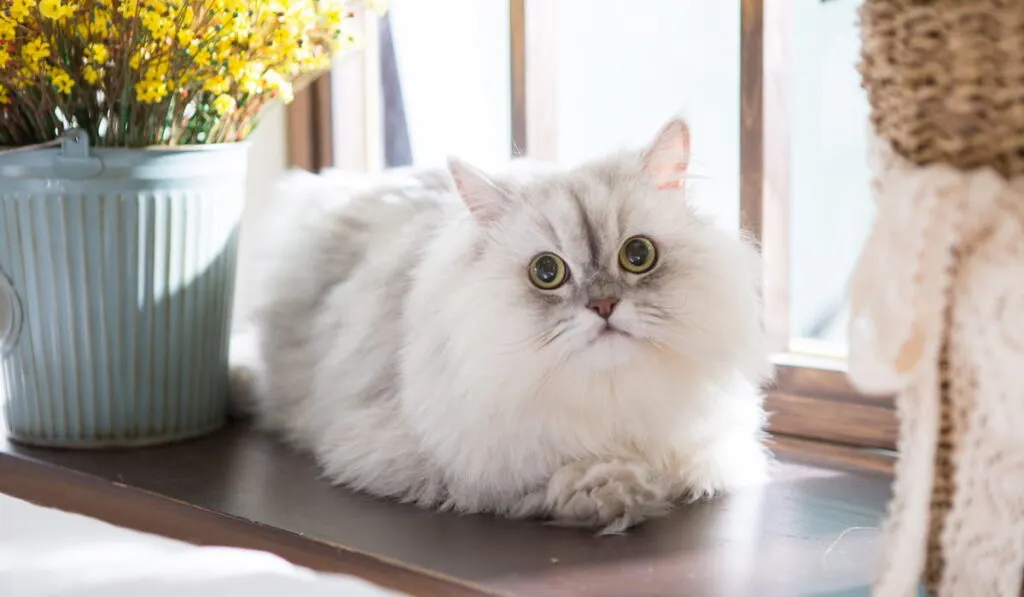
(725, 467)
(609, 495)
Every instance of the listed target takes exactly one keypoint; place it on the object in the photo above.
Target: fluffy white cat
(578, 345)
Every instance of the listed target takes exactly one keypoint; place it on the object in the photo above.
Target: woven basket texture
(945, 80)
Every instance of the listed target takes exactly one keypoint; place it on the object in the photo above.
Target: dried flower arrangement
(137, 73)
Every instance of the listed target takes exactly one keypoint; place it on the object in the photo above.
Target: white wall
(453, 56)
(267, 161)
(831, 209)
(624, 68)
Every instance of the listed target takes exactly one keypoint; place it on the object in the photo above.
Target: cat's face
(608, 263)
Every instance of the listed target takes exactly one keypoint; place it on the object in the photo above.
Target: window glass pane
(831, 208)
(452, 89)
(625, 68)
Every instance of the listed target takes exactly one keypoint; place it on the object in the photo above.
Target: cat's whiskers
(543, 338)
(561, 357)
(661, 312)
(554, 335)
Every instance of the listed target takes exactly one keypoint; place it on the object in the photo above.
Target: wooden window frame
(320, 136)
(811, 397)
(811, 401)
(533, 31)
(308, 125)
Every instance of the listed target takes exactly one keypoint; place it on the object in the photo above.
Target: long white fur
(398, 339)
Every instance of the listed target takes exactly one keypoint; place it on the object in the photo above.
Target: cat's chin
(609, 348)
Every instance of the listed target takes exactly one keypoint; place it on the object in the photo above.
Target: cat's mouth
(610, 331)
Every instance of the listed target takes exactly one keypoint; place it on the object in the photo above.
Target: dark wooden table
(812, 531)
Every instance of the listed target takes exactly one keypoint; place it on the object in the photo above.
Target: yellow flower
(137, 57)
(202, 58)
(236, 66)
(7, 28)
(273, 81)
(128, 8)
(61, 81)
(232, 52)
(332, 11)
(100, 23)
(20, 9)
(223, 51)
(157, 5)
(35, 50)
(185, 37)
(56, 10)
(157, 70)
(91, 74)
(251, 79)
(150, 92)
(216, 84)
(159, 26)
(230, 5)
(97, 53)
(4, 98)
(224, 104)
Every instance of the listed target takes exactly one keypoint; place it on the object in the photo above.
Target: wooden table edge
(54, 486)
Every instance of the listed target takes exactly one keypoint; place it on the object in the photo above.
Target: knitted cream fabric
(937, 303)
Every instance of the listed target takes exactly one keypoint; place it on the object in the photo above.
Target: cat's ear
(481, 196)
(667, 159)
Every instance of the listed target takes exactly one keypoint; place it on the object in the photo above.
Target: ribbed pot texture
(117, 271)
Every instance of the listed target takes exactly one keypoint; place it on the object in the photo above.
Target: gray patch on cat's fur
(546, 298)
(394, 289)
(603, 285)
(657, 275)
(590, 234)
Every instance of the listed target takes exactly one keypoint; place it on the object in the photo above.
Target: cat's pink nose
(603, 307)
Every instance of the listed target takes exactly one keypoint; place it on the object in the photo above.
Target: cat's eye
(638, 255)
(548, 271)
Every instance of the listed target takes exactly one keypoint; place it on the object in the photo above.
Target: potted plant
(123, 127)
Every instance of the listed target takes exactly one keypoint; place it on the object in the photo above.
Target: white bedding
(52, 553)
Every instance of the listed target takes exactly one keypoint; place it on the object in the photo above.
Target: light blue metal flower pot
(117, 271)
